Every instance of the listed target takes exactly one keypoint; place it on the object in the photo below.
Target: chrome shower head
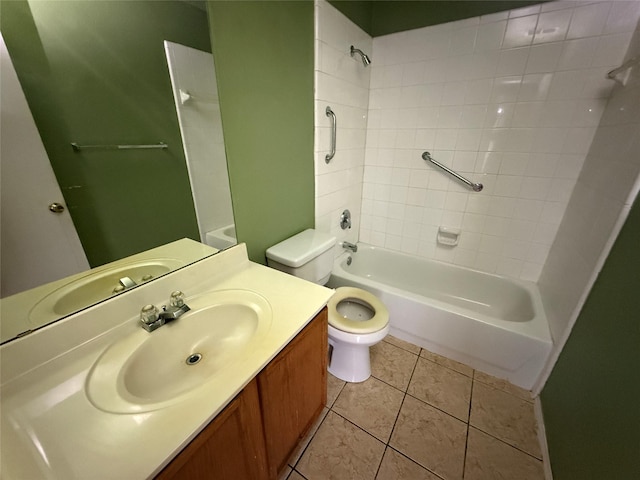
(365, 58)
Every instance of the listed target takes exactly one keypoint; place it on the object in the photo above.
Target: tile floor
(421, 416)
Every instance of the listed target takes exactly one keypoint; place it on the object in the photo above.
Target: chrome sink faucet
(151, 318)
(350, 246)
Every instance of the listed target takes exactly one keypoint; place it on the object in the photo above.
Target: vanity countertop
(51, 429)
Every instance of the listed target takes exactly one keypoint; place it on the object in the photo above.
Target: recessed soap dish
(448, 236)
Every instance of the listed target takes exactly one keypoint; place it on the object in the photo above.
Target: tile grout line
(466, 442)
(445, 366)
(388, 384)
(293, 467)
(494, 436)
(413, 461)
(294, 470)
(339, 392)
(436, 408)
(358, 427)
(532, 400)
(404, 396)
(506, 443)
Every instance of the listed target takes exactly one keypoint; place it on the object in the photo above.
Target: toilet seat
(379, 320)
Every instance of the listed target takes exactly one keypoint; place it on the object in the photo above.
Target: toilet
(357, 318)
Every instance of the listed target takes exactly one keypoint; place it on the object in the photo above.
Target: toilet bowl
(357, 320)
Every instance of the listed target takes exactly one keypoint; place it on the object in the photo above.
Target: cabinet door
(293, 391)
(231, 447)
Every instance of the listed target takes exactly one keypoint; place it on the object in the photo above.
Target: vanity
(225, 391)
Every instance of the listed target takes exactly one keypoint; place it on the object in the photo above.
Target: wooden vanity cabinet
(231, 447)
(293, 392)
(254, 436)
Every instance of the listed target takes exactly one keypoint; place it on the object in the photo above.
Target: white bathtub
(494, 324)
(222, 238)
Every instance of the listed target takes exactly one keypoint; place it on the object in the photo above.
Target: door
(36, 245)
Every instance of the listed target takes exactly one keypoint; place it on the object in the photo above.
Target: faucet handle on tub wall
(345, 220)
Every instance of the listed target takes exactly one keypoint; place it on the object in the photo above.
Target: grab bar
(77, 147)
(476, 187)
(625, 66)
(334, 124)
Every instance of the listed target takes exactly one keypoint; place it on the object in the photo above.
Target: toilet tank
(308, 255)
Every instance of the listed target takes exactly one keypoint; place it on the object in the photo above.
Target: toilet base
(350, 360)
(350, 363)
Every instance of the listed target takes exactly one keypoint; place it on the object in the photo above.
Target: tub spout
(350, 246)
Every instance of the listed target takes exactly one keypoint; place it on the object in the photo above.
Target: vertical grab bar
(330, 155)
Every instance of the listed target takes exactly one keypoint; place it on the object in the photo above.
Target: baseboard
(542, 439)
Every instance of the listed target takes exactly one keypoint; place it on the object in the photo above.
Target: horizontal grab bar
(476, 187)
(77, 147)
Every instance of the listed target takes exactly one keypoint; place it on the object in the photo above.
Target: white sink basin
(97, 286)
(151, 370)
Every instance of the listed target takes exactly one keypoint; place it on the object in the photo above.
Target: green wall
(264, 63)
(381, 17)
(591, 402)
(94, 72)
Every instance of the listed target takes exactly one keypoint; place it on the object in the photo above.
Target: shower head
(365, 58)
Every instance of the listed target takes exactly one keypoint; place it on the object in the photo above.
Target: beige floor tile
(396, 466)
(430, 437)
(295, 476)
(295, 456)
(410, 347)
(372, 405)
(334, 387)
(340, 451)
(447, 362)
(491, 459)
(503, 385)
(392, 364)
(505, 417)
(441, 387)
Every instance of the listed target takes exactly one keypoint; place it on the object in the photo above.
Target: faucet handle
(176, 299)
(149, 314)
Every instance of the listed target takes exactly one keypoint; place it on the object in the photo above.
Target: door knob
(56, 207)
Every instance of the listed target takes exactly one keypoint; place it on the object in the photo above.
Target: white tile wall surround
(606, 188)
(526, 112)
(512, 100)
(342, 82)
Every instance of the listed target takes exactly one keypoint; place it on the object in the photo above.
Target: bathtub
(222, 238)
(492, 323)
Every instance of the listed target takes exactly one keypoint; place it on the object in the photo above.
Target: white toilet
(357, 319)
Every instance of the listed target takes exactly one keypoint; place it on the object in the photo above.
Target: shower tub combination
(492, 323)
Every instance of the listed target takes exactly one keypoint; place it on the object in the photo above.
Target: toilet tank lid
(301, 248)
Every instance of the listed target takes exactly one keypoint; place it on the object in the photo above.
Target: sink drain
(193, 358)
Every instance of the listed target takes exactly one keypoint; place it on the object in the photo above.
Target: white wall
(511, 100)
(193, 71)
(342, 83)
(606, 189)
